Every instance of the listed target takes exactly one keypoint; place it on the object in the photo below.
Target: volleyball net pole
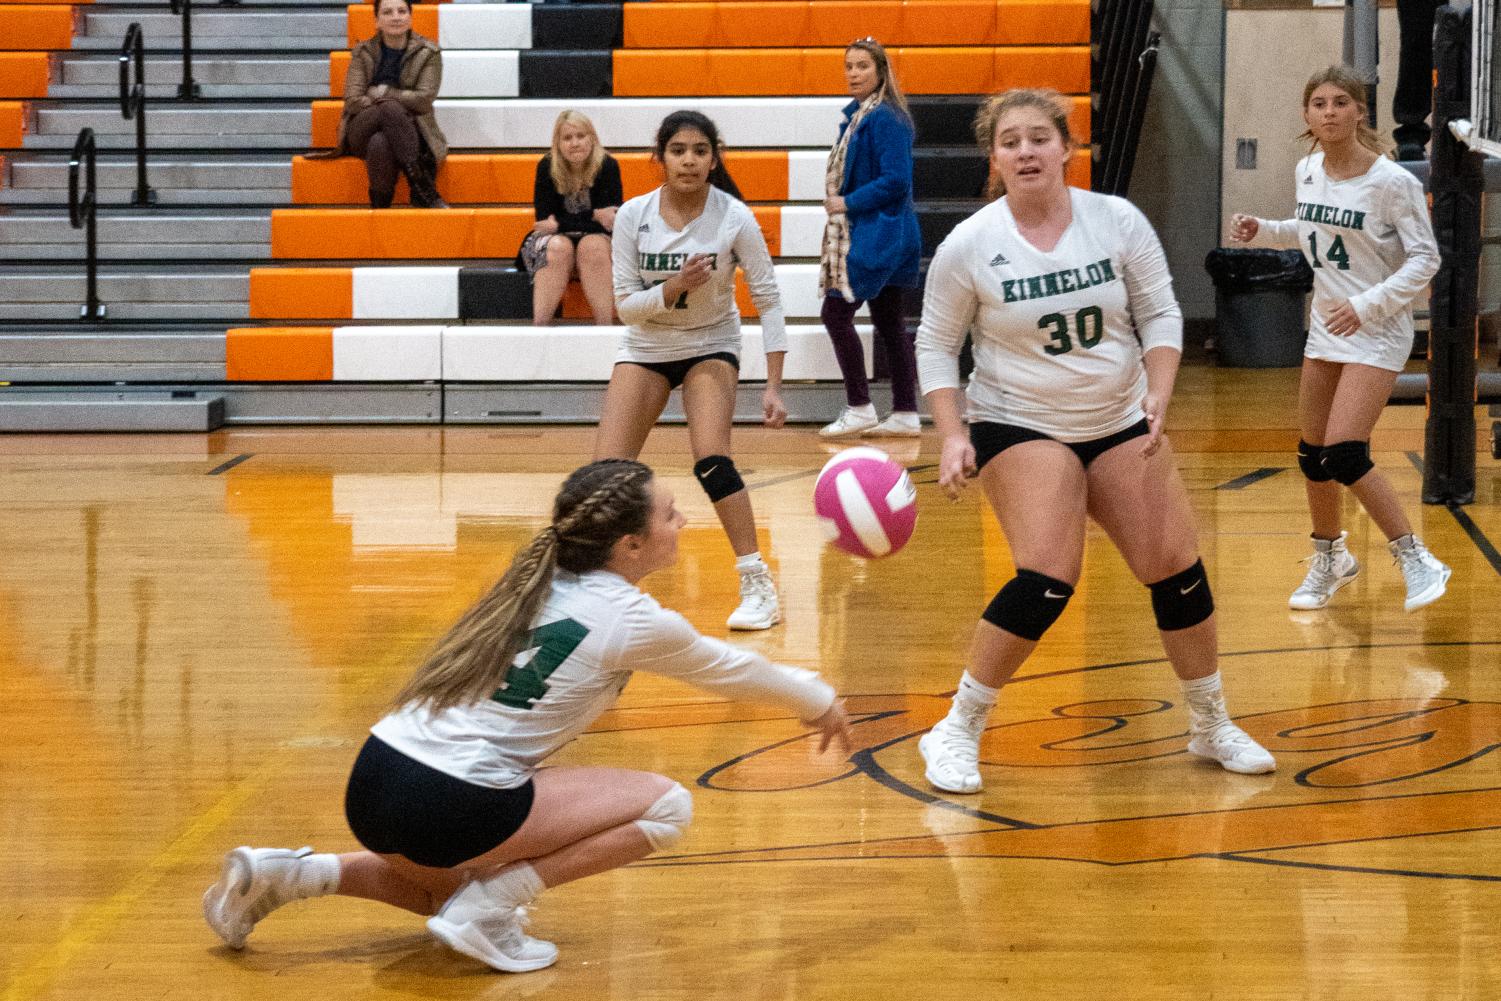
(1457, 183)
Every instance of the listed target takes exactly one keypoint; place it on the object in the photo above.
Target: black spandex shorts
(396, 805)
(990, 440)
(676, 371)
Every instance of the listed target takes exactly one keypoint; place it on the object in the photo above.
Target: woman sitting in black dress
(576, 195)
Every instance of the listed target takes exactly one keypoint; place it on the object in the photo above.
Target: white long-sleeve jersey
(647, 252)
(593, 631)
(1369, 240)
(1058, 336)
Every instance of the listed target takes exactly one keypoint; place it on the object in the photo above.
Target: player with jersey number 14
(1077, 338)
(460, 820)
(1362, 223)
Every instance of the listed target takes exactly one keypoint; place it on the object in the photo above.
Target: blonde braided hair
(597, 506)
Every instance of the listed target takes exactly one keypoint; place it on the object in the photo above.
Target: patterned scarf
(833, 271)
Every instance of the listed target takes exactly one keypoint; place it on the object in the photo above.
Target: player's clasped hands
(1243, 228)
(957, 466)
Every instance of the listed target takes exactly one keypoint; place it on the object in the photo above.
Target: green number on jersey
(1089, 326)
(1337, 252)
(1061, 345)
(527, 684)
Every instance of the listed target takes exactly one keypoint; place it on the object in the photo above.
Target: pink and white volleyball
(865, 502)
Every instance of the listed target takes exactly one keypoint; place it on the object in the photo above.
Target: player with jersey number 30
(1077, 338)
(1362, 223)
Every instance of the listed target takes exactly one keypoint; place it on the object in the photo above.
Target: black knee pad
(1028, 604)
(1348, 461)
(1183, 599)
(1311, 461)
(718, 476)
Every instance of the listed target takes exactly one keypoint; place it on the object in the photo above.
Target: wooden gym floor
(199, 630)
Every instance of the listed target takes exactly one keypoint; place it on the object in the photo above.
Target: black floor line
(1255, 476)
(1486, 547)
(225, 467)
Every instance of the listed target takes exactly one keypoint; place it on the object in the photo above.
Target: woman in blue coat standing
(871, 244)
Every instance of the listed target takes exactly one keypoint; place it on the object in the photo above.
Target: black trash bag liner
(1254, 270)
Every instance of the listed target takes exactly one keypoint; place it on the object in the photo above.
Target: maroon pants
(385, 136)
(886, 314)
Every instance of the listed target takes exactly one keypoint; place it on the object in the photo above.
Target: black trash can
(1258, 305)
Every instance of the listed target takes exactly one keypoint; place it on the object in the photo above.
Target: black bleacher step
(578, 26)
(936, 220)
(948, 173)
(572, 73)
(491, 293)
(944, 120)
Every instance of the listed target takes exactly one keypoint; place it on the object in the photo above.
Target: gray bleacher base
(150, 407)
(217, 28)
(580, 403)
(1412, 387)
(56, 355)
(28, 411)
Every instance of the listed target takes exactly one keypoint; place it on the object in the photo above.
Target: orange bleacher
(29, 32)
(423, 234)
(279, 354)
(508, 177)
(672, 48)
(767, 72)
(362, 22)
(816, 72)
(833, 23)
(12, 123)
(36, 26)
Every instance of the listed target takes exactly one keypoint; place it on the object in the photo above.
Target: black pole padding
(1457, 182)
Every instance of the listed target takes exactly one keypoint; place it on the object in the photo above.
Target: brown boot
(424, 191)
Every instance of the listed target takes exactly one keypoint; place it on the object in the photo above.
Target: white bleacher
(541, 354)
(432, 293)
(480, 74)
(484, 26)
(631, 122)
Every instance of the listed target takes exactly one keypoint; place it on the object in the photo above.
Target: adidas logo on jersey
(1308, 179)
(645, 227)
(998, 260)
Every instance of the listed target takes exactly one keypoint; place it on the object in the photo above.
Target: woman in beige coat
(388, 108)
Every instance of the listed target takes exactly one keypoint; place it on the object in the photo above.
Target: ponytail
(597, 506)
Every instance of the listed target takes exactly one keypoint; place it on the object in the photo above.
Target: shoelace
(964, 743)
(1227, 734)
(1320, 571)
(1410, 559)
(757, 587)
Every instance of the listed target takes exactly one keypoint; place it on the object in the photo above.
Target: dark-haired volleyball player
(675, 253)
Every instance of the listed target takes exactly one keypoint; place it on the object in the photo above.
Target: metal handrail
(83, 213)
(187, 90)
(133, 105)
